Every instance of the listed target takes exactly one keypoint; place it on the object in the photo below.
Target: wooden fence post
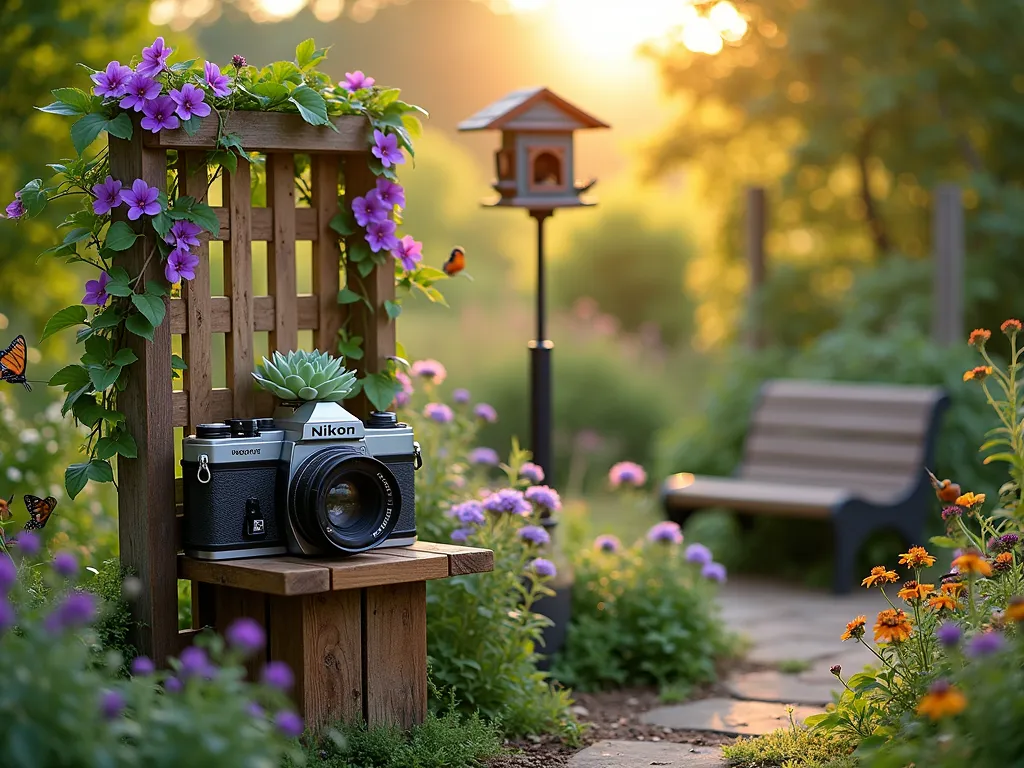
(948, 249)
(756, 224)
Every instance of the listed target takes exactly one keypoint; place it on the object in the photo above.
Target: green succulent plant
(305, 376)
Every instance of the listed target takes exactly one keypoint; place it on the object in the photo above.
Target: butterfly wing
(13, 363)
(5, 509)
(39, 511)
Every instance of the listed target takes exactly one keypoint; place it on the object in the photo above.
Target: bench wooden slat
(270, 132)
(797, 421)
(893, 457)
(685, 491)
(844, 392)
(273, 576)
(879, 488)
(382, 566)
(461, 560)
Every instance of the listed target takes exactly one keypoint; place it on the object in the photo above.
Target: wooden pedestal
(353, 630)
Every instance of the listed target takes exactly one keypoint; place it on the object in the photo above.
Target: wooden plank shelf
(270, 132)
(353, 629)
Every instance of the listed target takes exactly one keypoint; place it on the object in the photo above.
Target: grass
(791, 747)
(794, 666)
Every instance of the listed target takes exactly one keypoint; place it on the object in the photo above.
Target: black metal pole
(540, 367)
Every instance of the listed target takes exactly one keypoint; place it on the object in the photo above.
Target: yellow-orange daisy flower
(942, 700)
(1010, 327)
(917, 557)
(978, 373)
(879, 576)
(979, 336)
(972, 562)
(892, 626)
(913, 591)
(954, 588)
(942, 602)
(1015, 610)
(970, 499)
(855, 628)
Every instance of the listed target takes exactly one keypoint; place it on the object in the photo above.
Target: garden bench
(852, 453)
(354, 630)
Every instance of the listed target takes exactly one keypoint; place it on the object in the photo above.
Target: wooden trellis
(147, 497)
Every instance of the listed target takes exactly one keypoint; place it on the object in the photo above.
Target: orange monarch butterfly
(39, 511)
(12, 363)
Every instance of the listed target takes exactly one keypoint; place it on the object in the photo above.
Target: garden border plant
(170, 96)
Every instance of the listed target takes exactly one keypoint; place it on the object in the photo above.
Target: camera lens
(343, 500)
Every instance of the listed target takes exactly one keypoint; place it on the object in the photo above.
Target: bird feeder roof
(531, 109)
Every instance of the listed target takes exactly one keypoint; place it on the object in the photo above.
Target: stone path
(785, 625)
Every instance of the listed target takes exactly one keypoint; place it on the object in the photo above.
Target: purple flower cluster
(7, 617)
(76, 610)
(196, 664)
(246, 635)
(508, 500)
(355, 81)
(469, 512)
(948, 634)
(697, 553)
(8, 574)
(607, 543)
(949, 512)
(713, 572)
(534, 534)
(278, 675)
(484, 455)
(460, 396)
(485, 412)
(111, 705)
(289, 724)
(545, 497)
(627, 473)
(666, 533)
(439, 412)
(1005, 543)
(532, 472)
(431, 370)
(373, 212)
(985, 644)
(27, 543)
(143, 666)
(543, 568)
(65, 564)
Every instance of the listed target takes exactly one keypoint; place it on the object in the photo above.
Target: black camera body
(313, 480)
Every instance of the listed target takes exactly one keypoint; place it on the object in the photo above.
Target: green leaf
(183, 66)
(119, 443)
(351, 349)
(359, 251)
(204, 216)
(274, 93)
(1009, 458)
(311, 105)
(393, 309)
(86, 129)
(77, 475)
(388, 96)
(33, 197)
(120, 126)
(157, 289)
(140, 326)
(343, 223)
(231, 141)
(103, 377)
(227, 160)
(107, 319)
(365, 267)
(307, 55)
(162, 223)
(191, 125)
(72, 397)
(124, 356)
(380, 390)
(65, 318)
(73, 376)
(151, 306)
(77, 235)
(60, 108)
(119, 283)
(74, 97)
(177, 364)
(943, 541)
(348, 296)
(120, 237)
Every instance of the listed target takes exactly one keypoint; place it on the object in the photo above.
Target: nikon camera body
(313, 480)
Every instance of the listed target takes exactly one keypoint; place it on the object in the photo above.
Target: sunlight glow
(281, 9)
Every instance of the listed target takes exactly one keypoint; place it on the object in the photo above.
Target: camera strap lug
(203, 475)
(417, 456)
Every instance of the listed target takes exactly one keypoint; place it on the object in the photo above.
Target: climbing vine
(182, 96)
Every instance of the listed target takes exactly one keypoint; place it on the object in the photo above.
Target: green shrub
(792, 747)
(642, 616)
(115, 624)
(61, 708)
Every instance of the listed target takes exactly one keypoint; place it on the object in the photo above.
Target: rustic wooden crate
(354, 630)
(147, 497)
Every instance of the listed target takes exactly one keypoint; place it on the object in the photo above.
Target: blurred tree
(633, 269)
(41, 45)
(850, 113)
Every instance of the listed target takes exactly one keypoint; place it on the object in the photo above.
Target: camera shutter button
(203, 475)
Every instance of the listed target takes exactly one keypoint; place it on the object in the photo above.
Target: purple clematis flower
(409, 252)
(181, 265)
(381, 236)
(159, 114)
(141, 199)
(191, 101)
(113, 82)
(183, 234)
(15, 209)
(369, 209)
(385, 148)
(356, 80)
(95, 290)
(139, 91)
(218, 83)
(108, 195)
(390, 193)
(154, 58)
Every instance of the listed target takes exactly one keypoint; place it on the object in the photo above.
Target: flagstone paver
(732, 716)
(773, 686)
(641, 754)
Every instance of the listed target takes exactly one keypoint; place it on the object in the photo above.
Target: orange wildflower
(943, 602)
(917, 557)
(1015, 610)
(954, 588)
(978, 373)
(892, 626)
(1010, 327)
(942, 700)
(1003, 561)
(969, 500)
(879, 576)
(913, 591)
(979, 336)
(855, 629)
(972, 562)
